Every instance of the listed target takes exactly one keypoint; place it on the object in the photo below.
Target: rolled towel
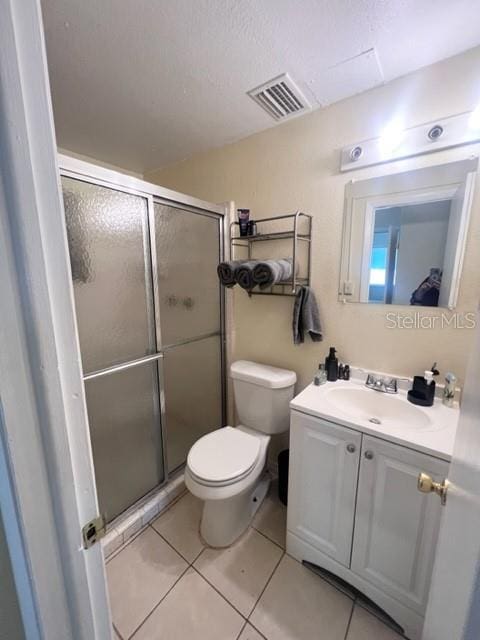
(270, 272)
(244, 274)
(226, 272)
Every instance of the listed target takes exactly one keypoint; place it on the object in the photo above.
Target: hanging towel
(270, 272)
(244, 274)
(227, 271)
(306, 317)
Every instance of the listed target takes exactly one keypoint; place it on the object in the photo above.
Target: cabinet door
(396, 526)
(324, 462)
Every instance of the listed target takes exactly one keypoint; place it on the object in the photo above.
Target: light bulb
(474, 120)
(391, 137)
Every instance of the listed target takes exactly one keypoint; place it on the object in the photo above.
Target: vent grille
(280, 98)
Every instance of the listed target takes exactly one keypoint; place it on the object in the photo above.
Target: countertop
(436, 440)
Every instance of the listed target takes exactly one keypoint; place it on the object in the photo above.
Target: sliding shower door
(150, 322)
(108, 236)
(188, 249)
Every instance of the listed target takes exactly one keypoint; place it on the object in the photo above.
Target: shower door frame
(76, 169)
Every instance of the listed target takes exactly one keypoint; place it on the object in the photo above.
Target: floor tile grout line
(159, 603)
(260, 633)
(265, 587)
(350, 620)
(198, 555)
(190, 564)
(219, 592)
(143, 527)
(225, 597)
(267, 537)
(242, 629)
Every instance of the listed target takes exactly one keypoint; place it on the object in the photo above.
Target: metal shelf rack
(296, 220)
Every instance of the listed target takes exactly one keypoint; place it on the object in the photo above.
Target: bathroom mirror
(404, 236)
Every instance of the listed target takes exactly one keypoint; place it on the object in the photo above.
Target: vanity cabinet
(354, 510)
(323, 467)
(396, 526)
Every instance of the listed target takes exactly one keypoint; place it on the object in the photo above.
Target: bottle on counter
(321, 376)
(449, 389)
(331, 365)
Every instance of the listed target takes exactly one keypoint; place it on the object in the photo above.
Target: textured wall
(295, 166)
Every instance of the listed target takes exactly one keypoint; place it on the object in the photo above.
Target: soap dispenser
(331, 365)
(422, 392)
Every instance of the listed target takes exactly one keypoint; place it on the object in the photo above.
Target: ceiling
(144, 83)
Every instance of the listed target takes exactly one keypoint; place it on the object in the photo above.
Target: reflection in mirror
(404, 236)
(407, 256)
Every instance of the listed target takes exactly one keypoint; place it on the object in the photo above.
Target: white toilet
(225, 468)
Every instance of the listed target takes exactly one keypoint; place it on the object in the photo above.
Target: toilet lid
(225, 454)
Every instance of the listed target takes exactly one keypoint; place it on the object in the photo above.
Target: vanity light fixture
(392, 137)
(474, 120)
(356, 153)
(396, 143)
(435, 132)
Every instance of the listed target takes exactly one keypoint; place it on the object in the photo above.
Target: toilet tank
(262, 395)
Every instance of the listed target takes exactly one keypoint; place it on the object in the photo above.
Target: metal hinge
(93, 531)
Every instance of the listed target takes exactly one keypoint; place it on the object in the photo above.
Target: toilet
(225, 468)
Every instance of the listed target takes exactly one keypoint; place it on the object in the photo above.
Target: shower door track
(94, 174)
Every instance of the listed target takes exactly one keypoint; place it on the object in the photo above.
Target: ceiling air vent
(281, 98)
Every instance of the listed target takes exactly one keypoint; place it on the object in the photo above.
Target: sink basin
(379, 408)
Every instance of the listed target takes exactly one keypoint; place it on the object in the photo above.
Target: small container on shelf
(293, 228)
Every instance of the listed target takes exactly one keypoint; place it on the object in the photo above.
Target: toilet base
(223, 521)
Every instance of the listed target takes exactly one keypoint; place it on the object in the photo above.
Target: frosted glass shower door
(108, 234)
(188, 249)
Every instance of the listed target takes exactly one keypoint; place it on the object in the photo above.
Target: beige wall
(295, 166)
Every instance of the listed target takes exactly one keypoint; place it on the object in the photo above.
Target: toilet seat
(223, 457)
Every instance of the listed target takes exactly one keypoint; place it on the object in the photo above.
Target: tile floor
(166, 585)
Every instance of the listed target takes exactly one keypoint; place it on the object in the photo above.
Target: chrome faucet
(379, 383)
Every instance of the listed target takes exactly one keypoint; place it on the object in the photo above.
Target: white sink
(389, 416)
(379, 408)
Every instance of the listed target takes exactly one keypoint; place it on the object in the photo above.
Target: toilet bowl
(226, 468)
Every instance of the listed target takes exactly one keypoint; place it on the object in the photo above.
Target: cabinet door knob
(426, 484)
(369, 454)
(351, 448)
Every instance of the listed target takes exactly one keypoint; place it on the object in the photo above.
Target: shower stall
(150, 316)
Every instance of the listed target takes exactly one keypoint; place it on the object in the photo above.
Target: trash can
(283, 475)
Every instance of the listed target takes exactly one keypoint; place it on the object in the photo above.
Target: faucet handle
(387, 385)
(371, 380)
(391, 386)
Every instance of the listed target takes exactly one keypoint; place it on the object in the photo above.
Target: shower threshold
(129, 523)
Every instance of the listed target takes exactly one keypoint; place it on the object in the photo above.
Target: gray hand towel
(227, 271)
(306, 317)
(270, 272)
(244, 274)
